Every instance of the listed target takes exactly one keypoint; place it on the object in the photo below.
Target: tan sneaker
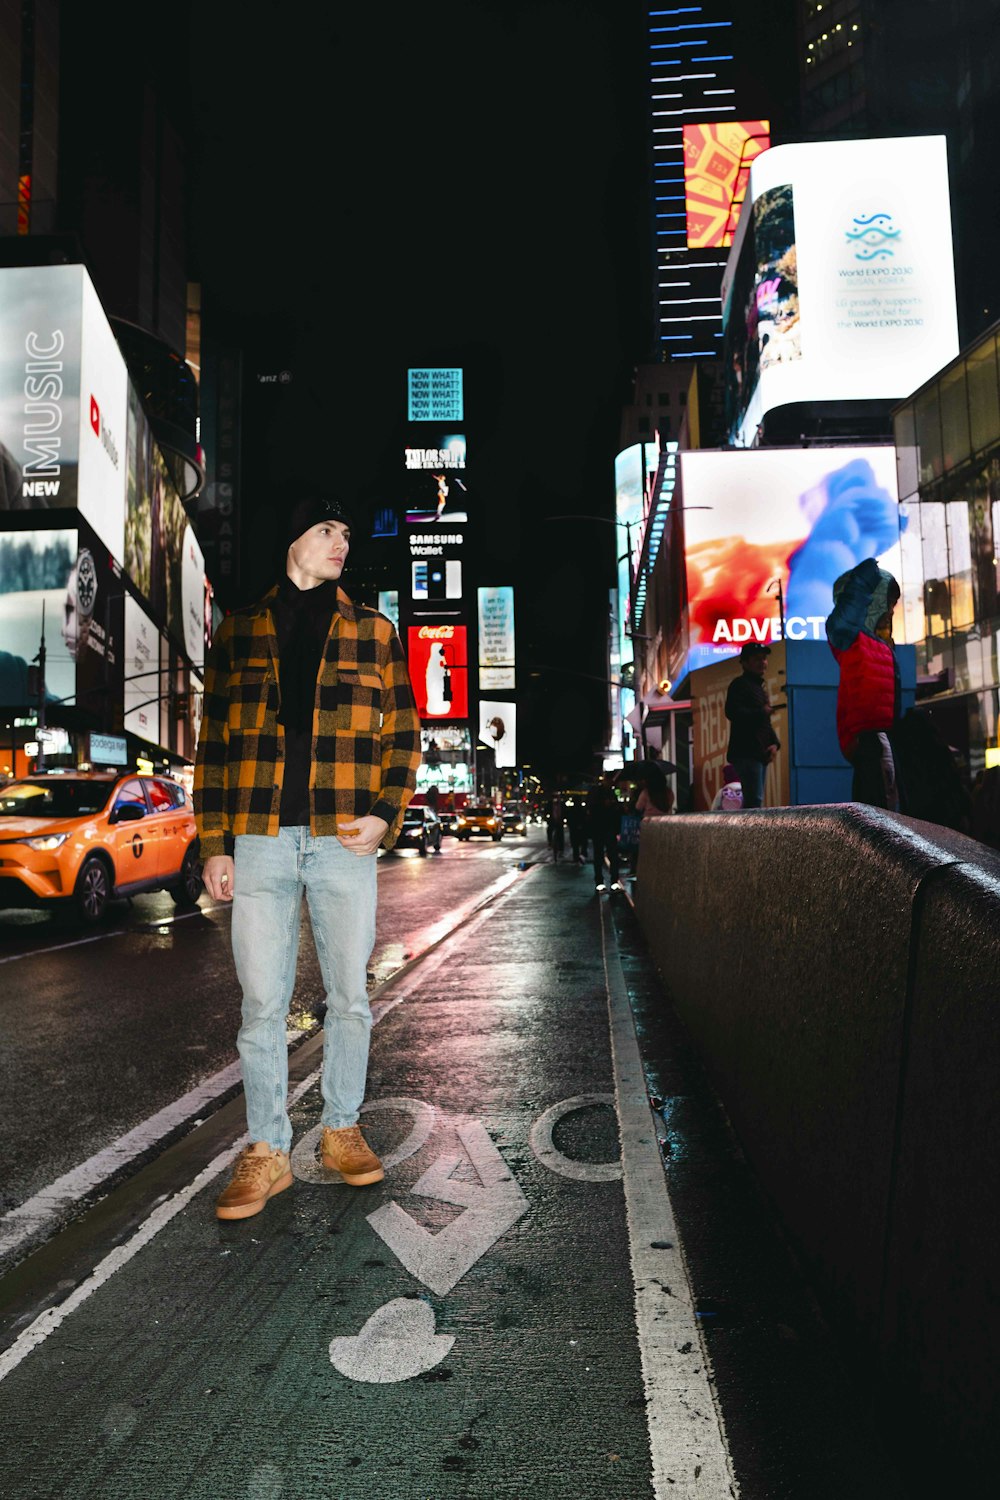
(259, 1173)
(347, 1152)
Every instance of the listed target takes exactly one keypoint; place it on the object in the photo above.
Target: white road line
(47, 1322)
(100, 937)
(686, 1432)
(25, 1222)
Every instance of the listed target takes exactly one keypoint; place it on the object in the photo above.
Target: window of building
(643, 424)
(928, 413)
(664, 398)
(984, 395)
(649, 398)
(954, 418)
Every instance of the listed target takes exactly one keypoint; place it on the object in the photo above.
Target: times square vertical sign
(433, 614)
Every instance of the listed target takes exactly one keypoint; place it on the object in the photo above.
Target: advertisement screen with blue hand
(801, 516)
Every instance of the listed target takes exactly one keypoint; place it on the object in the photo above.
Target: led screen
(439, 670)
(142, 673)
(435, 497)
(435, 578)
(498, 729)
(41, 313)
(437, 450)
(37, 569)
(435, 396)
(799, 515)
(496, 638)
(841, 282)
(717, 161)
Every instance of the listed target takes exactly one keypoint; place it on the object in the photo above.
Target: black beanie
(309, 510)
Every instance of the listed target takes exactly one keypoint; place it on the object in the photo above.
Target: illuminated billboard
(36, 570)
(717, 161)
(443, 450)
(496, 638)
(435, 497)
(439, 670)
(81, 590)
(63, 399)
(142, 674)
(840, 285)
(435, 396)
(798, 516)
(435, 579)
(498, 730)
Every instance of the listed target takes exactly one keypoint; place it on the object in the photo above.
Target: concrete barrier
(839, 969)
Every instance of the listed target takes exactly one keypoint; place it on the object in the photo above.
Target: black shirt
(302, 620)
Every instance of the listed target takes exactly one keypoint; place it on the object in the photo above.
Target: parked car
(421, 830)
(83, 839)
(514, 822)
(484, 820)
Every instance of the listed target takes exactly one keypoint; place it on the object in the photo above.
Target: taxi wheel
(92, 891)
(189, 887)
(422, 847)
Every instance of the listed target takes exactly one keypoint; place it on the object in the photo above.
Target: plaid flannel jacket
(366, 732)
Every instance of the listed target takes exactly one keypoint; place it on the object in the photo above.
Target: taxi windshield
(67, 798)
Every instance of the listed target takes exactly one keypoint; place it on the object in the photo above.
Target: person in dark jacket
(859, 630)
(604, 819)
(753, 743)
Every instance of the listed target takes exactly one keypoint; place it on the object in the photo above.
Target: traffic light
(34, 682)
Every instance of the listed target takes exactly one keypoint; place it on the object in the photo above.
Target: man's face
(320, 553)
(755, 663)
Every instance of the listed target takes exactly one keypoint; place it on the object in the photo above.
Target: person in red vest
(868, 699)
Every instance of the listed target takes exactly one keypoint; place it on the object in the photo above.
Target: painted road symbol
(549, 1156)
(396, 1343)
(491, 1207)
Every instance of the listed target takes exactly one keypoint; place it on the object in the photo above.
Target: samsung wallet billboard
(841, 282)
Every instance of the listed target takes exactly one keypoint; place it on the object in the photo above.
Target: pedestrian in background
(753, 743)
(576, 822)
(307, 757)
(859, 629)
(604, 823)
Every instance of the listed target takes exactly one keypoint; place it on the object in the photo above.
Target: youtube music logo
(102, 431)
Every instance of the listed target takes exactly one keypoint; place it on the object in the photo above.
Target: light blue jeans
(271, 874)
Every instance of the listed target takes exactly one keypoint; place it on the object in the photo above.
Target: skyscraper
(701, 150)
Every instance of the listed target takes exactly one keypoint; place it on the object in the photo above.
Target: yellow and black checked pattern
(366, 731)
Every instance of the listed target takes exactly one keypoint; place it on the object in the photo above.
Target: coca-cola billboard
(439, 670)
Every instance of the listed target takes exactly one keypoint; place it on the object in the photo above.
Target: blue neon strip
(688, 26)
(713, 59)
(671, 216)
(676, 198)
(688, 42)
(685, 10)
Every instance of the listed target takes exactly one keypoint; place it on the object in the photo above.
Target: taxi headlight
(46, 841)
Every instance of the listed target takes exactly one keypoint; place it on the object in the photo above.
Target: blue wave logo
(872, 237)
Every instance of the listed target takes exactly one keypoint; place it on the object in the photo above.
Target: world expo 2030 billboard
(840, 285)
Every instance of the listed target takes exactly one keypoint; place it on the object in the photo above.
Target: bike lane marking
(28, 1219)
(52, 1318)
(686, 1431)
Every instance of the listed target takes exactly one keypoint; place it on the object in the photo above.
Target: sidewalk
(508, 1314)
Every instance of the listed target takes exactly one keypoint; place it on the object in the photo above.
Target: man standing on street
(308, 753)
(604, 817)
(753, 743)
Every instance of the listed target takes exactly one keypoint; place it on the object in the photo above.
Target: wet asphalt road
(102, 1030)
(472, 1327)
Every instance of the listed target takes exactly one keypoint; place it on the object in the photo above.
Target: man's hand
(219, 875)
(772, 752)
(362, 835)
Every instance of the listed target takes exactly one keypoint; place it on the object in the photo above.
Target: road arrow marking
(491, 1207)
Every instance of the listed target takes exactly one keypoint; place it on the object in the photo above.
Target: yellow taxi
(479, 820)
(87, 837)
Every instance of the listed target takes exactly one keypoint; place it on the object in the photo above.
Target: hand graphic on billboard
(855, 518)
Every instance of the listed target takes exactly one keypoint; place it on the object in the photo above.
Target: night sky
(450, 183)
